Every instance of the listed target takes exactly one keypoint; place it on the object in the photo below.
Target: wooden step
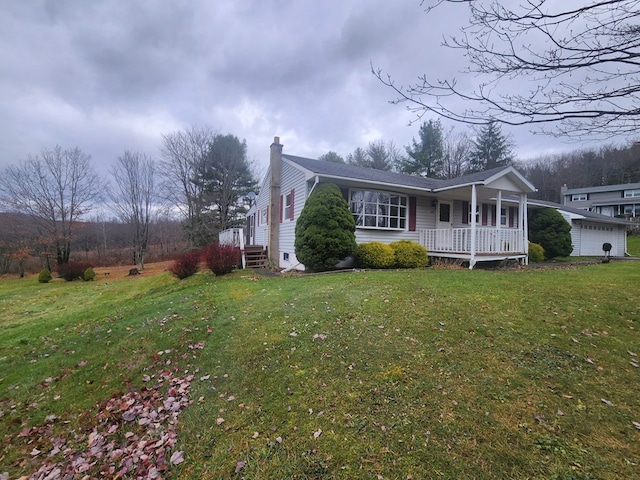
(255, 257)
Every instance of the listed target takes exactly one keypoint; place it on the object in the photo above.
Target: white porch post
(498, 219)
(474, 206)
(525, 228)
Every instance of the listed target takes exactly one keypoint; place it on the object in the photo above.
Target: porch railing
(458, 240)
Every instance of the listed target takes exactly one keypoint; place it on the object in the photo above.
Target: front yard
(527, 373)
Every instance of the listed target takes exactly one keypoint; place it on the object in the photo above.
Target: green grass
(633, 245)
(399, 374)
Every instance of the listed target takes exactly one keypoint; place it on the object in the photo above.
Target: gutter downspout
(315, 183)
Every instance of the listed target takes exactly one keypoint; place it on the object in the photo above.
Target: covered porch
(480, 221)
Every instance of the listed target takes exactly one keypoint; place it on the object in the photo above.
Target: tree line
(436, 153)
(202, 177)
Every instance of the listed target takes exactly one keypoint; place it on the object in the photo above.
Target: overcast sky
(114, 75)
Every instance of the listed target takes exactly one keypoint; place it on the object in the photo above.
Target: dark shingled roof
(470, 178)
(353, 172)
(598, 217)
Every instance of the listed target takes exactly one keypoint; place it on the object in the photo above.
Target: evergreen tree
(226, 178)
(491, 149)
(332, 157)
(325, 229)
(426, 156)
(547, 227)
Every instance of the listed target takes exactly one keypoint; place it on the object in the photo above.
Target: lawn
(527, 373)
(633, 245)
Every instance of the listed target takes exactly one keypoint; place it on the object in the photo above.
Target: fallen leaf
(177, 458)
(317, 433)
(239, 466)
(219, 421)
(636, 424)
(255, 435)
(604, 400)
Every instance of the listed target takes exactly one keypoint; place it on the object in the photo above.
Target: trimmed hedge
(89, 274)
(374, 255)
(409, 254)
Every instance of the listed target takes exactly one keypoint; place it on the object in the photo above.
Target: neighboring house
(610, 200)
(390, 206)
(589, 230)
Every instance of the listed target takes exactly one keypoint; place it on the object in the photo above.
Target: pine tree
(426, 156)
(491, 149)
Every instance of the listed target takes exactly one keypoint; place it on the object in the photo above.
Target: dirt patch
(121, 271)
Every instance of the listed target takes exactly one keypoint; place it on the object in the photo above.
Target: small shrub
(409, 254)
(45, 276)
(72, 270)
(89, 274)
(374, 255)
(186, 264)
(221, 259)
(536, 252)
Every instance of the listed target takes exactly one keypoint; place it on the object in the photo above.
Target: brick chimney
(275, 162)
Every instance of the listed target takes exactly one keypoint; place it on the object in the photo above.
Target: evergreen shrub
(409, 254)
(72, 270)
(45, 276)
(325, 229)
(89, 275)
(186, 265)
(374, 255)
(221, 259)
(536, 252)
(548, 228)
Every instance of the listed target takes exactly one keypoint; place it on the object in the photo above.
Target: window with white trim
(374, 209)
(503, 216)
(632, 193)
(579, 197)
(287, 206)
(263, 216)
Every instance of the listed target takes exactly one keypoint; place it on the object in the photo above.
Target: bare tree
(581, 58)
(457, 152)
(56, 188)
(184, 154)
(133, 198)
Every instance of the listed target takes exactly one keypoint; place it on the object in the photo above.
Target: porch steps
(255, 256)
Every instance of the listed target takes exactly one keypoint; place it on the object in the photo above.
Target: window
(384, 210)
(264, 216)
(632, 193)
(503, 216)
(579, 197)
(285, 256)
(287, 206)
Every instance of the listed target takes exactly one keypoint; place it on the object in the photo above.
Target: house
(590, 230)
(463, 218)
(611, 200)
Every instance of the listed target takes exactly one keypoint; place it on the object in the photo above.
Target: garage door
(593, 235)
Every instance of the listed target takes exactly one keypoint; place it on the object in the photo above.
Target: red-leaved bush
(72, 270)
(221, 259)
(186, 264)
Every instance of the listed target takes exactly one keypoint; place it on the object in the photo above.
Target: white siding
(262, 202)
(292, 179)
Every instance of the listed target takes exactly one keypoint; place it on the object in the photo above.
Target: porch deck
(488, 244)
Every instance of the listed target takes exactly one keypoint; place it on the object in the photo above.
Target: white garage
(589, 231)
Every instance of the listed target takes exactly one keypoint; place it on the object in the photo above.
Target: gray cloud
(115, 75)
